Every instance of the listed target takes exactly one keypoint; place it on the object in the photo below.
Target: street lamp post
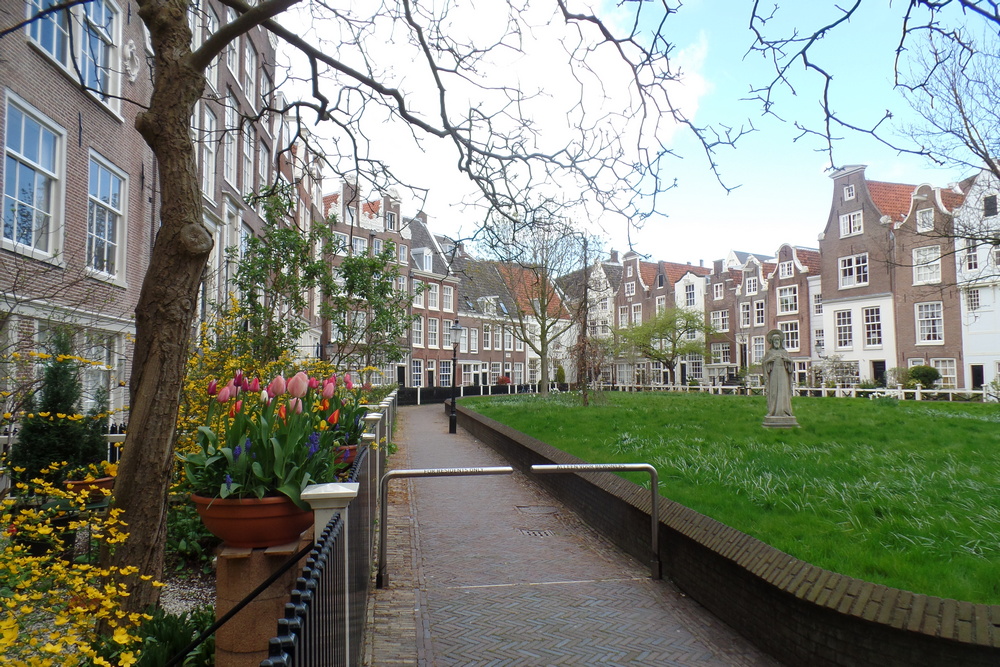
(456, 331)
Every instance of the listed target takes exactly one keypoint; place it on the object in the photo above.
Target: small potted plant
(261, 446)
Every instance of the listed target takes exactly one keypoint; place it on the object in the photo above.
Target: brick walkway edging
(799, 613)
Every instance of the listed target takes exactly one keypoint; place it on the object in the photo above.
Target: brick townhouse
(736, 305)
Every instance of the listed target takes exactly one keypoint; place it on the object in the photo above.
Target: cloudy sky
(782, 187)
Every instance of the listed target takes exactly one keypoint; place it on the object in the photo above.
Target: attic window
(848, 192)
(989, 206)
(659, 280)
(390, 221)
(925, 220)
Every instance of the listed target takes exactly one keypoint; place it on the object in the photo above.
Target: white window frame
(848, 192)
(756, 349)
(229, 142)
(718, 291)
(853, 271)
(402, 254)
(786, 269)
(250, 73)
(843, 321)
(927, 265)
(817, 304)
(759, 313)
(390, 221)
(719, 320)
(636, 313)
(630, 288)
(948, 368)
(852, 224)
(113, 247)
(751, 285)
(929, 322)
(925, 220)
(971, 258)
(973, 299)
(746, 314)
(872, 319)
(788, 299)
(54, 173)
(432, 332)
(790, 330)
(417, 372)
(690, 299)
(474, 340)
(433, 291)
(447, 298)
(444, 373)
(417, 332)
(418, 294)
(661, 304)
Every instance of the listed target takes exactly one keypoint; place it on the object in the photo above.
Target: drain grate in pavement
(537, 509)
(536, 533)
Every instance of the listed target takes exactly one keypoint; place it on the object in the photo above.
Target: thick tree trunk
(167, 302)
(543, 371)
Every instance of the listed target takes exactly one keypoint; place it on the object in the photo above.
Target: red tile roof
(648, 271)
(522, 283)
(329, 201)
(891, 199)
(810, 259)
(371, 208)
(676, 271)
(951, 199)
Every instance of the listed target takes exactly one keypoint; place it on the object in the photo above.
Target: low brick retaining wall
(799, 613)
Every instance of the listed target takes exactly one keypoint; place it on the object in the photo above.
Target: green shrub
(560, 374)
(165, 635)
(925, 375)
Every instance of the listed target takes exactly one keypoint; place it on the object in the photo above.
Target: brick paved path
(492, 571)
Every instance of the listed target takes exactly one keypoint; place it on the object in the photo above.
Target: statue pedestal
(780, 422)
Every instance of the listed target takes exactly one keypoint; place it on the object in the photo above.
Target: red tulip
(282, 413)
(298, 385)
(254, 385)
(334, 417)
(213, 387)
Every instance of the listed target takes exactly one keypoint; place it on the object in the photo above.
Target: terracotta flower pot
(93, 486)
(253, 522)
(347, 454)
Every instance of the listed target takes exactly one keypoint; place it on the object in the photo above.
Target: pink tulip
(238, 378)
(329, 389)
(254, 386)
(313, 383)
(331, 380)
(298, 385)
(224, 394)
(295, 405)
(213, 387)
(277, 387)
(347, 381)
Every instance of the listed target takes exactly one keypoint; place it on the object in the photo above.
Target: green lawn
(905, 494)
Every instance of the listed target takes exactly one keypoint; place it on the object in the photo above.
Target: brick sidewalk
(493, 571)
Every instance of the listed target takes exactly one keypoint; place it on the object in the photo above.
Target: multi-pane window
(971, 258)
(745, 315)
(791, 332)
(949, 372)
(446, 340)
(487, 336)
(250, 73)
(518, 372)
(848, 192)
(788, 299)
(401, 249)
(636, 313)
(817, 304)
(51, 32)
(445, 373)
(417, 372)
(31, 179)
(630, 288)
(622, 317)
(432, 332)
(448, 298)
(717, 291)
(390, 221)
(518, 344)
(719, 320)
(785, 270)
(695, 364)
(494, 372)
(759, 314)
(98, 66)
(359, 244)
(433, 290)
(930, 322)
(873, 326)
(854, 270)
(973, 299)
(247, 162)
(721, 353)
(845, 330)
(211, 25)
(925, 220)
(377, 246)
(751, 285)
(417, 332)
(208, 166)
(229, 149)
(819, 335)
(508, 339)
(689, 295)
(661, 304)
(418, 294)
(474, 340)
(851, 223)
(926, 265)
(104, 217)
(756, 349)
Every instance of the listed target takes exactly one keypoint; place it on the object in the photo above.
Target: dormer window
(848, 192)
(925, 220)
(423, 259)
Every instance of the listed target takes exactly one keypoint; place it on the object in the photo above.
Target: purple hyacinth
(237, 452)
(246, 445)
(313, 443)
(229, 482)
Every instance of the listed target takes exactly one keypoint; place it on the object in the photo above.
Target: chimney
(701, 263)
(614, 256)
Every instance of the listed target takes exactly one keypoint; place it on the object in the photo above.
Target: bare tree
(459, 99)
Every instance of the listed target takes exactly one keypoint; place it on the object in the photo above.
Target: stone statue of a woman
(777, 367)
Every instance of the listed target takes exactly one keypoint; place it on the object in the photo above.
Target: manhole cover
(536, 533)
(537, 509)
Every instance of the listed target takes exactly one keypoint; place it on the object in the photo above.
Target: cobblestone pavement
(492, 571)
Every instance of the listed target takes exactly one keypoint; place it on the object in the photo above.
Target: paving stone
(476, 580)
